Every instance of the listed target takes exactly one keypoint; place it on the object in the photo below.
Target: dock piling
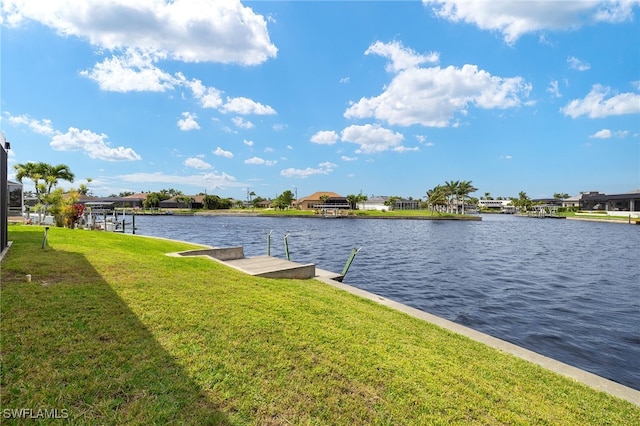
(350, 260)
(286, 246)
(44, 240)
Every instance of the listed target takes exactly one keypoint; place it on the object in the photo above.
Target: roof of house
(383, 198)
(139, 195)
(316, 196)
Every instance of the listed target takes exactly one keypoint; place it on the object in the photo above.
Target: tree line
(449, 197)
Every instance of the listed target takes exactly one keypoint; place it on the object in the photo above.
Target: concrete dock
(262, 266)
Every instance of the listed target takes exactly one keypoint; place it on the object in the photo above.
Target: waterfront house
(183, 202)
(498, 205)
(380, 203)
(611, 203)
(322, 200)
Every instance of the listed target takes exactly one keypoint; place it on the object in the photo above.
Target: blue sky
(383, 98)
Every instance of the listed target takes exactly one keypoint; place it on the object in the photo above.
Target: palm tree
(31, 171)
(52, 174)
(523, 200)
(451, 192)
(391, 201)
(44, 176)
(351, 199)
(464, 189)
(83, 188)
(437, 197)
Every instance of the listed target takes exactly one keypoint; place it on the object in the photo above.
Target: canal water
(566, 289)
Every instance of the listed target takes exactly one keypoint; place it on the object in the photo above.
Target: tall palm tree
(451, 191)
(83, 188)
(437, 197)
(464, 189)
(44, 176)
(33, 171)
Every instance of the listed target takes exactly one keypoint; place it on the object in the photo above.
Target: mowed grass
(116, 332)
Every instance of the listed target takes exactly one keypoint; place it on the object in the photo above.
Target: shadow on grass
(72, 347)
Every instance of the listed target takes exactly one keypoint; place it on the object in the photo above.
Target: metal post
(133, 224)
(44, 240)
(269, 243)
(286, 246)
(350, 260)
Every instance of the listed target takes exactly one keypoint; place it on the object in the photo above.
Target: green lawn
(115, 332)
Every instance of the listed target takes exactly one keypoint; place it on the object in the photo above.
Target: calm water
(565, 289)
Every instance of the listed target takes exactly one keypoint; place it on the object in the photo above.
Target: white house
(378, 203)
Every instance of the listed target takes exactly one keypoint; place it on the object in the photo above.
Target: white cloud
(247, 142)
(208, 180)
(268, 149)
(602, 134)
(615, 11)
(197, 163)
(188, 122)
(345, 158)
(401, 58)
(506, 157)
(423, 140)
(433, 96)
(514, 19)
(607, 134)
(323, 169)
(93, 144)
(577, 64)
(246, 106)
(260, 161)
(594, 105)
(184, 30)
(345, 80)
(133, 71)
(405, 148)
(41, 127)
(222, 153)
(75, 140)
(325, 137)
(209, 97)
(242, 123)
(372, 138)
(553, 89)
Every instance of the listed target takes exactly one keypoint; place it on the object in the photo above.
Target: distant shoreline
(249, 213)
(317, 216)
